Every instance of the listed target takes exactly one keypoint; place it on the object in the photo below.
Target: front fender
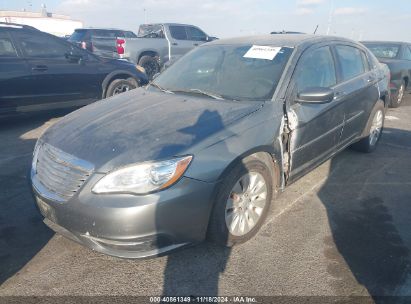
(258, 132)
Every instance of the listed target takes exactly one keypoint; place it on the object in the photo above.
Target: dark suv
(397, 56)
(101, 42)
(39, 71)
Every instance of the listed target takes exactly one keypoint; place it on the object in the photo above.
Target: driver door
(316, 127)
(57, 80)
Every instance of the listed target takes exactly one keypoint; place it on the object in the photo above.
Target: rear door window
(351, 61)
(407, 53)
(316, 69)
(129, 34)
(195, 34)
(106, 33)
(78, 36)
(178, 32)
(37, 45)
(6, 46)
(365, 61)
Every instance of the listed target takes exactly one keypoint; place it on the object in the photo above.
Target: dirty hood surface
(140, 126)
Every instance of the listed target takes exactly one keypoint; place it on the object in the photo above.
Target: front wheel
(119, 86)
(242, 202)
(374, 129)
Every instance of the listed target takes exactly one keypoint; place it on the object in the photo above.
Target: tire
(150, 64)
(260, 165)
(396, 99)
(374, 128)
(119, 86)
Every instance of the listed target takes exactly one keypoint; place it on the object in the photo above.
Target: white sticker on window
(262, 52)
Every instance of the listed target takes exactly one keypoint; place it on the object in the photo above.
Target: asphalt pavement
(342, 230)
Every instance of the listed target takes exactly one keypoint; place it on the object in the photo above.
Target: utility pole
(330, 17)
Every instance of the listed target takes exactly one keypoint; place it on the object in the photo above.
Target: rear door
(316, 128)
(358, 88)
(179, 41)
(15, 90)
(56, 78)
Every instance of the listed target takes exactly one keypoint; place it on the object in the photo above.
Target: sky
(355, 19)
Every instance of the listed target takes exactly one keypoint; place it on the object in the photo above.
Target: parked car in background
(206, 147)
(159, 43)
(397, 55)
(39, 71)
(285, 32)
(100, 41)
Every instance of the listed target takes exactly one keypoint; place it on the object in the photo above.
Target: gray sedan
(205, 149)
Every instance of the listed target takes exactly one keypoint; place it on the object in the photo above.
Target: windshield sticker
(262, 52)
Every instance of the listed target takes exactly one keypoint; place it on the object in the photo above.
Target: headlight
(35, 156)
(140, 68)
(143, 178)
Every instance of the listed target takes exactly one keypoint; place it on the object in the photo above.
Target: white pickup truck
(157, 44)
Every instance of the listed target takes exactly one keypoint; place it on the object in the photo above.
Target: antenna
(316, 28)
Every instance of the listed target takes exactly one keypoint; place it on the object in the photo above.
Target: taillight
(120, 46)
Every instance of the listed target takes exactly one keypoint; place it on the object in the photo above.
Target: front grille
(60, 173)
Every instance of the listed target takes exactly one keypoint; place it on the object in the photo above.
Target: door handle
(40, 68)
(175, 43)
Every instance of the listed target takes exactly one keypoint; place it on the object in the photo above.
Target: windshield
(384, 50)
(226, 71)
(151, 31)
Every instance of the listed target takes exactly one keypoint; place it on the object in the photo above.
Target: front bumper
(131, 226)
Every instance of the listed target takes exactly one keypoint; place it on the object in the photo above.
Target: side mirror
(73, 57)
(315, 95)
(210, 38)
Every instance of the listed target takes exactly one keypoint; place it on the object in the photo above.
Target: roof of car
(291, 40)
(16, 25)
(101, 29)
(387, 42)
(168, 24)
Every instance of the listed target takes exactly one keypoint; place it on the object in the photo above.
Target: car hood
(142, 125)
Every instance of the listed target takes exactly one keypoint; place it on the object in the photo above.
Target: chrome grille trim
(58, 173)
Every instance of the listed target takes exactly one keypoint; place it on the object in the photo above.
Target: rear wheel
(374, 129)
(150, 64)
(119, 86)
(397, 99)
(242, 202)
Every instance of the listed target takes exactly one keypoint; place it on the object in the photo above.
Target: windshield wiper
(209, 94)
(160, 88)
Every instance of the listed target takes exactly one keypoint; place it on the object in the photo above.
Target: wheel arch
(273, 154)
(151, 53)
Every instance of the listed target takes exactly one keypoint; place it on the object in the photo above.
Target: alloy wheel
(376, 127)
(400, 93)
(246, 203)
(121, 89)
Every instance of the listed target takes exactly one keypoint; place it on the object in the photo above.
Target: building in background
(59, 25)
